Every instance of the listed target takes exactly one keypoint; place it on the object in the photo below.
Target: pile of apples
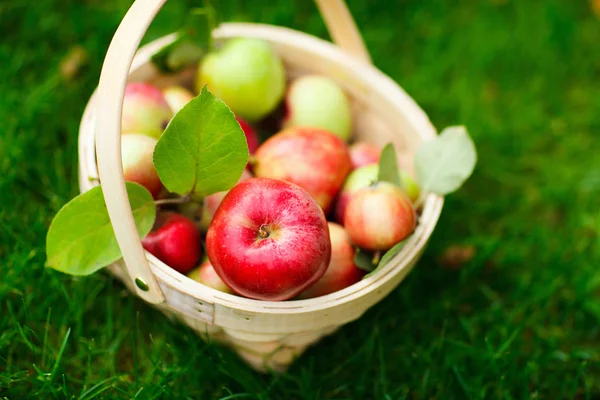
(308, 200)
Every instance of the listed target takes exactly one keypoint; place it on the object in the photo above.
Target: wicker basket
(268, 335)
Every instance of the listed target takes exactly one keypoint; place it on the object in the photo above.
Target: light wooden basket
(268, 335)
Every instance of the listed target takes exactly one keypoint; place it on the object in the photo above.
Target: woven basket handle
(111, 89)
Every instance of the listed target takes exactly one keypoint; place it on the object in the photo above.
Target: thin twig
(178, 200)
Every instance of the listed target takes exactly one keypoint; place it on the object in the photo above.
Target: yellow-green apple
(365, 176)
(317, 101)
(136, 153)
(363, 153)
(177, 97)
(247, 75)
(342, 272)
(174, 240)
(206, 275)
(145, 110)
(379, 216)
(313, 158)
(268, 239)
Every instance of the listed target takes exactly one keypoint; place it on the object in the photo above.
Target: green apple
(247, 75)
(317, 101)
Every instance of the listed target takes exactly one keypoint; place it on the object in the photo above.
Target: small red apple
(206, 275)
(342, 272)
(363, 153)
(379, 216)
(176, 241)
(364, 176)
(145, 110)
(314, 159)
(138, 165)
(251, 136)
(269, 239)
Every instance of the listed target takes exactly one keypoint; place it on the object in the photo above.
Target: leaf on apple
(203, 150)
(442, 165)
(81, 240)
(387, 256)
(364, 260)
(388, 166)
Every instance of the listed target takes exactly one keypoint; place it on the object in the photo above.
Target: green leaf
(177, 55)
(388, 166)
(81, 239)
(388, 255)
(445, 163)
(203, 150)
(364, 260)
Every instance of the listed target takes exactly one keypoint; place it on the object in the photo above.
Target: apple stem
(178, 200)
(252, 161)
(376, 257)
(262, 232)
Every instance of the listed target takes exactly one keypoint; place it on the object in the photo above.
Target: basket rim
(432, 207)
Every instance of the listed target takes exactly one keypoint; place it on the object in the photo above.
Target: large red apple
(379, 216)
(314, 159)
(342, 272)
(176, 241)
(269, 239)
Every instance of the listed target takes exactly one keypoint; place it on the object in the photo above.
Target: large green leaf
(388, 166)
(81, 239)
(203, 150)
(444, 164)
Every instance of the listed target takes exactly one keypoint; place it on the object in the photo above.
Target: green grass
(519, 320)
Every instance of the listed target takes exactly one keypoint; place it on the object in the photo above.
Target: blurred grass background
(515, 315)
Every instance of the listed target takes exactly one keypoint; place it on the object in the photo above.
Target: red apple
(363, 153)
(138, 166)
(365, 176)
(314, 159)
(206, 275)
(176, 241)
(269, 239)
(145, 110)
(379, 216)
(342, 272)
(251, 136)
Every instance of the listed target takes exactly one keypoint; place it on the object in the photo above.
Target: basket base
(270, 355)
